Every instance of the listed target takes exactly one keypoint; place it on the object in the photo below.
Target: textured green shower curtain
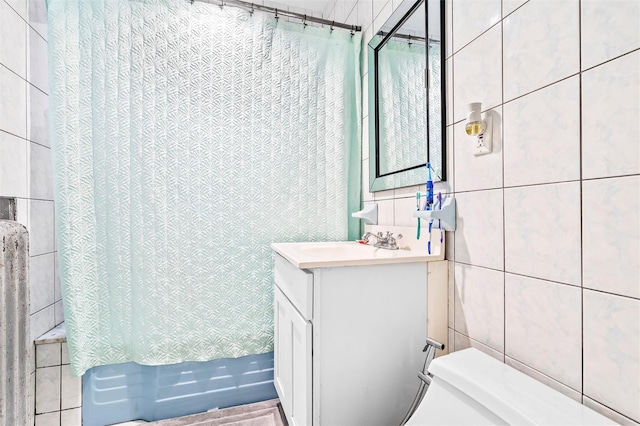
(187, 138)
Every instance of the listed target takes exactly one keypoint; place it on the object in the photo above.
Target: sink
(353, 250)
(312, 255)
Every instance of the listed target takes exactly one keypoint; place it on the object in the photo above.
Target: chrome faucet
(387, 241)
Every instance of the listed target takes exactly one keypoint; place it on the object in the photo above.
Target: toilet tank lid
(510, 394)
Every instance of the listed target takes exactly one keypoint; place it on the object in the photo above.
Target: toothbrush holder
(446, 215)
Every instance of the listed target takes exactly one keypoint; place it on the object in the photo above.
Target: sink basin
(347, 253)
(353, 250)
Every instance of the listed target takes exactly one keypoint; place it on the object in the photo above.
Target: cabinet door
(292, 361)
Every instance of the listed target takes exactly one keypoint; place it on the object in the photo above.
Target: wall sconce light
(480, 129)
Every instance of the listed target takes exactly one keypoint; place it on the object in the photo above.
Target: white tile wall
(509, 6)
(479, 227)
(611, 107)
(460, 341)
(566, 390)
(472, 18)
(71, 396)
(41, 276)
(48, 355)
(58, 394)
(552, 120)
(13, 105)
(612, 351)
(37, 58)
(37, 12)
(13, 166)
(477, 71)
(42, 321)
(449, 77)
(20, 6)
(48, 419)
(37, 116)
(41, 239)
(71, 417)
(479, 304)
(570, 119)
(541, 45)
(600, 42)
(41, 183)
(47, 389)
(542, 316)
(608, 412)
(542, 231)
(25, 160)
(13, 44)
(610, 219)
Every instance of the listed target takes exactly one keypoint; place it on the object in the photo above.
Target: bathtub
(123, 392)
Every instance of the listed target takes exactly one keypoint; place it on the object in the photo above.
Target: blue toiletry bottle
(429, 203)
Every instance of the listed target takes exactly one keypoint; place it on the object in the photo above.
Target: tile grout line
(560, 182)
(26, 80)
(580, 117)
(26, 20)
(547, 280)
(504, 217)
(576, 74)
(608, 60)
(497, 188)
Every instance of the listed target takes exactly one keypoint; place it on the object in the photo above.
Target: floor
(265, 413)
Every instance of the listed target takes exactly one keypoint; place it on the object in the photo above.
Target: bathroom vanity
(350, 325)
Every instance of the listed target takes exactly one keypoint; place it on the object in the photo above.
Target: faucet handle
(392, 241)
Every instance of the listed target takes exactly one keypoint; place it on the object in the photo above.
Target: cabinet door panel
(292, 363)
(282, 349)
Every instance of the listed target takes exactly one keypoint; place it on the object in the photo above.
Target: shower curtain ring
(277, 17)
(304, 20)
(332, 24)
(252, 8)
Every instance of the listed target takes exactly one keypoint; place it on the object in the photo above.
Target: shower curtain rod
(281, 12)
(409, 37)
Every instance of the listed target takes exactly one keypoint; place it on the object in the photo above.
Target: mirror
(406, 97)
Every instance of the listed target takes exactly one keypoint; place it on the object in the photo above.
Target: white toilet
(471, 388)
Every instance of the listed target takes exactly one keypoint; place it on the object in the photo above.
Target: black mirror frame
(417, 174)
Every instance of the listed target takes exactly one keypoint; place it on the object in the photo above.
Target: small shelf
(369, 214)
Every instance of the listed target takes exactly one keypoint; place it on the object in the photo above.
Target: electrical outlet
(484, 141)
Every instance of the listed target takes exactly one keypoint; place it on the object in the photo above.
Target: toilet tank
(472, 388)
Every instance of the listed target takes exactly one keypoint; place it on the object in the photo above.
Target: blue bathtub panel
(123, 392)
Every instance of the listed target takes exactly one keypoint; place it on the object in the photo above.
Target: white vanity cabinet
(349, 339)
(293, 341)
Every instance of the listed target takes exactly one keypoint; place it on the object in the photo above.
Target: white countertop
(347, 253)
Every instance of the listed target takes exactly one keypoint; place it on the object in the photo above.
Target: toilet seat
(470, 387)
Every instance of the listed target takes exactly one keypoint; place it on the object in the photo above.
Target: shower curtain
(186, 139)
